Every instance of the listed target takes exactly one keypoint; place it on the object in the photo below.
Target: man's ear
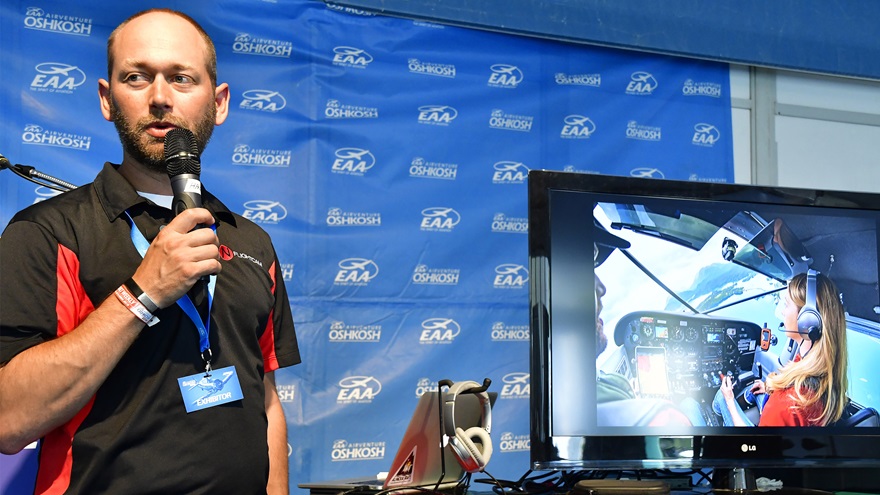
(104, 96)
(221, 99)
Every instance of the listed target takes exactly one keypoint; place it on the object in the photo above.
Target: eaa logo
(264, 211)
(439, 219)
(437, 114)
(705, 135)
(43, 193)
(505, 76)
(510, 276)
(353, 161)
(356, 271)
(263, 100)
(361, 389)
(350, 56)
(641, 83)
(507, 172)
(55, 77)
(439, 331)
(516, 386)
(514, 443)
(647, 172)
(577, 127)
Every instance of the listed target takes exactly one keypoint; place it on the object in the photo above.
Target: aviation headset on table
(809, 321)
(472, 457)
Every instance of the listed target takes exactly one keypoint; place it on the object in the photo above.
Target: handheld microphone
(183, 166)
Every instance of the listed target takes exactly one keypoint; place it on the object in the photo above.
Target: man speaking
(131, 342)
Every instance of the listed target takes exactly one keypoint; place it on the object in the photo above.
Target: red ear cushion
(467, 439)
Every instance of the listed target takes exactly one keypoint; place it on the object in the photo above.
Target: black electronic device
(682, 309)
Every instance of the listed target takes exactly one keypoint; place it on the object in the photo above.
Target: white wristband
(139, 310)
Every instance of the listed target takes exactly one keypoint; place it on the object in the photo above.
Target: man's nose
(160, 94)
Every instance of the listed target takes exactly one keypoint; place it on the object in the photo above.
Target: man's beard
(144, 148)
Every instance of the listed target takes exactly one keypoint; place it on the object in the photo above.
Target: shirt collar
(117, 195)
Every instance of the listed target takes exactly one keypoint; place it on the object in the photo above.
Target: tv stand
(741, 481)
(734, 479)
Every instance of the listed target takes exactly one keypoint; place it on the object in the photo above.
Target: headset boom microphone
(183, 166)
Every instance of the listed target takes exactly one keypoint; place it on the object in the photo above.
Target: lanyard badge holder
(208, 390)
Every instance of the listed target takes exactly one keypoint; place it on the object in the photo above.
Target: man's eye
(181, 79)
(135, 78)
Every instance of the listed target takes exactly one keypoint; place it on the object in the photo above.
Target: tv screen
(648, 297)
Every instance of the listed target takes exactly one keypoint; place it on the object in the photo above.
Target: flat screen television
(693, 274)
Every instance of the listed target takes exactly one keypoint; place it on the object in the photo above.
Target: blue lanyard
(185, 303)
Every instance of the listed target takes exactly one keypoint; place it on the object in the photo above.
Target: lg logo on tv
(749, 448)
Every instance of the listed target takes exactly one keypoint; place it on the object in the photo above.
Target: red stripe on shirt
(72, 306)
(267, 340)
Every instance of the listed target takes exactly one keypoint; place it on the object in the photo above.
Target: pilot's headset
(809, 321)
(472, 447)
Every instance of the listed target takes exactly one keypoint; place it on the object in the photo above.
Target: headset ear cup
(810, 323)
(479, 455)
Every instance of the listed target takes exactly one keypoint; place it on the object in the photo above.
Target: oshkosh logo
(356, 272)
(510, 173)
(442, 70)
(641, 83)
(286, 393)
(439, 331)
(37, 18)
(516, 386)
(502, 223)
(57, 77)
(425, 386)
(509, 333)
(505, 76)
(358, 389)
(437, 114)
(514, 443)
(247, 45)
(264, 211)
(245, 155)
(340, 332)
(563, 79)
(353, 161)
(336, 110)
(634, 130)
(432, 170)
(705, 135)
(577, 127)
(508, 122)
(338, 218)
(287, 271)
(349, 56)
(510, 276)
(34, 134)
(710, 89)
(263, 100)
(423, 275)
(365, 451)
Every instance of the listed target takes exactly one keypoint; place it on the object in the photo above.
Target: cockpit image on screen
(737, 325)
(694, 301)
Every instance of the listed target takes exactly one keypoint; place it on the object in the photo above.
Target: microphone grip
(187, 190)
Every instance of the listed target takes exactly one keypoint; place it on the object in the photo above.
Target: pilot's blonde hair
(820, 376)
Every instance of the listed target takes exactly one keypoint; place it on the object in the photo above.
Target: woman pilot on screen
(811, 389)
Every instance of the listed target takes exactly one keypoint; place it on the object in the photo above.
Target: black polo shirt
(60, 259)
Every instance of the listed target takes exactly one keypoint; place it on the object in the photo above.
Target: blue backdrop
(388, 159)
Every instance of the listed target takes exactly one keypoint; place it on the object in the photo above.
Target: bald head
(174, 17)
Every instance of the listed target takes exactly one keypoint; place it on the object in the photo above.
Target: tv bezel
(796, 447)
